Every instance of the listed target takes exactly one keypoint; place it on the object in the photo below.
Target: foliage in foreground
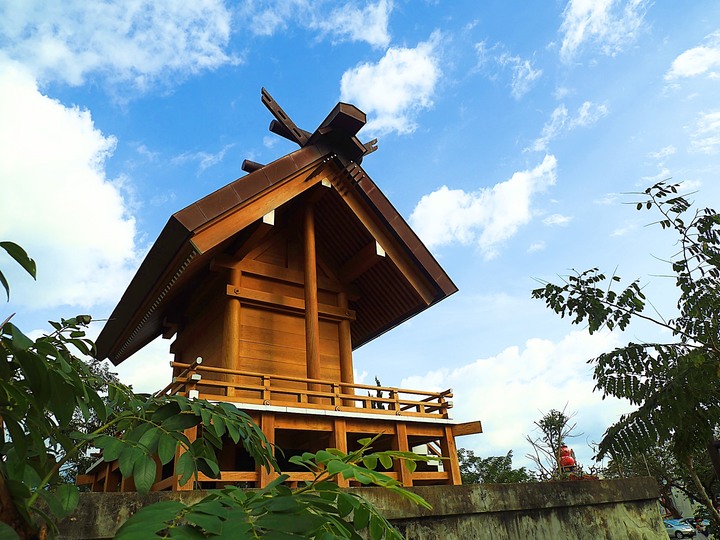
(317, 509)
(44, 386)
(675, 385)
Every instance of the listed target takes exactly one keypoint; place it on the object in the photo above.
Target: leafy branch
(316, 509)
(676, 385)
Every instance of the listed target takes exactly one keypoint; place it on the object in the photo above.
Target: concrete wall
(607, 509)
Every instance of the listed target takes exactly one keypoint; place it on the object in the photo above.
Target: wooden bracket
(282, 125)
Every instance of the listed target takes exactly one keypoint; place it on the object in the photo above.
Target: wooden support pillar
(449, 450)
(338, 440)
(312, 322)
(231, 330)
(191, 434)
(401, 444)
(346, 365)
(267, 425)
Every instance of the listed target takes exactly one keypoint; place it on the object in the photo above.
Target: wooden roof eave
(192, 233)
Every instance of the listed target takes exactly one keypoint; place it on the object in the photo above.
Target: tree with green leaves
(490, 470)
(660, 463)
(552, 432)
(45, 386)
(674, 384)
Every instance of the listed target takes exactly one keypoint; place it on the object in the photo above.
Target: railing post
(266, 390)
(336, 396)
(394, 394)
(191, 385)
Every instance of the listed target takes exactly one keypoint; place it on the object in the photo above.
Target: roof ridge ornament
(338, 130)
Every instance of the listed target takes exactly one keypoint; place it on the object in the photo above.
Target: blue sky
(509, 136)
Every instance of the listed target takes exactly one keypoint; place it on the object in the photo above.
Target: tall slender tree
(675, 384)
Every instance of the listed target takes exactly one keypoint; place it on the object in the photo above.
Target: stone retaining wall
(607, 509)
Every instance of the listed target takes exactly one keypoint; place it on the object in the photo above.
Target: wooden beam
(338, 439)
(285, 127)
(267, 425)
(288, 304)
(346, 364)
(232, 221)
(361, 262)
(406, 267)
(289, 275)
(251, 166)
(400, 443)
(449, 450)
(467, 428)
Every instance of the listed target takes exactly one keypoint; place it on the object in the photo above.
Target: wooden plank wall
(272, 339)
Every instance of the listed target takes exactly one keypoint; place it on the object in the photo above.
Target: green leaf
(361, 517)
(18, 436)
(144, 473)
(166, 448)
(128, 456)
(6, 286)
(165, 412)
(63, 501)
(110, 446)
(377, 528)
(19, 340)
(21, 257)
(346, 504)
(185, 533)
(180, 422)
(209, 523)
(290, 523)
(386, 461)
(370, 461)
(7, 532)
(150, 439)
(185, 467)
(149, 520)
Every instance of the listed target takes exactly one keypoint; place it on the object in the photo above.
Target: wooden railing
(222, 384)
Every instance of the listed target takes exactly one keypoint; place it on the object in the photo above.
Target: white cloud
(607, 24)
(351, 21)
(205, 159)
(523, 74)
(488, 216)
(512, 389)
(536, 246)
(698, 60)
(587, 114)
(561, 122)
(662, 174)
(270, 141)
(622, 231)
(706, 136)
(557, 219)
(392, 91)
(608, 198)
(58, 202)
(663, 152)
(148, 370)
(136, 41)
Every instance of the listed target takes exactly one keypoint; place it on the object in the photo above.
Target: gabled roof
(351, 218)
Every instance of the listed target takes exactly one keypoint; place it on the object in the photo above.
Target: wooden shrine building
(272, 281)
